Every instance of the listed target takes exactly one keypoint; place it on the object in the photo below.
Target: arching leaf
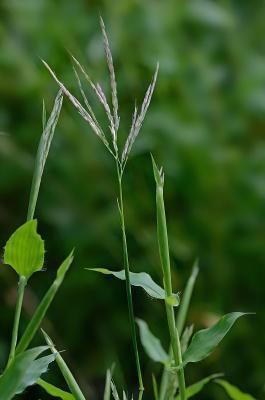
(206, 340)
(233, 392)
(54, 391)
(195, 388)
(151, 344)
(143, 280)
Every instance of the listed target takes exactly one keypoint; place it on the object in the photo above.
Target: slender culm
(128, 283)
(165, 264)
(21, 288)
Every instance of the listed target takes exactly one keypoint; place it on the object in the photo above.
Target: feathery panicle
(44, 114)
(43, 150)
(88, 106)
(102, 98)
(128, 142)
(50, 127)
(138, 120)
(113, 83)
(82, 111)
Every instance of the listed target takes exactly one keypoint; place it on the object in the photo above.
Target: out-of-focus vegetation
(206, 126)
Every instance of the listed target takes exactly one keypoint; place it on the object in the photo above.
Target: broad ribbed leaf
(54, 391)
(151, 344)
(233, 392)
(206, 340)
(198, 386)
(42, 308)
(143, 280)
(24, 251)
(24, 371)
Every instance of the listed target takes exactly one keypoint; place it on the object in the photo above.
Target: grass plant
(24, 252)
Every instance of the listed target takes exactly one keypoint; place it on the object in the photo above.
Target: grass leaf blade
(206, 340)
(140, 279)
(67, 374)
(195, 388)
(185, 300)
(151, 343)
(41, 310)
(54, 391)
(233, 392)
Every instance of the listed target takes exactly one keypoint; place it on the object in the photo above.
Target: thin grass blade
(234, 392)
(155, 388)
(192, 390)
(54, 391)
(68, 376)
(44, 305)
(114, 391)
(107, 389)
(186, 298)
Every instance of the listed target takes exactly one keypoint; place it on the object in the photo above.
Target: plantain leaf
(233, 392)
(151, 344)
(41, 310)
(206, 340)
(198, 386)
(24, 250)
(54, 391)
(143, 280)
(24, 371)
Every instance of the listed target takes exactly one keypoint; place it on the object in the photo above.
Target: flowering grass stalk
(120, 155)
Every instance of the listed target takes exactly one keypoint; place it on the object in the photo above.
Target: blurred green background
(205, 125)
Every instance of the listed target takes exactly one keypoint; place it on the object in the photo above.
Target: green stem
(180, 323)
(165, 263)
(176, 348)
(128, 283)
(21, 288)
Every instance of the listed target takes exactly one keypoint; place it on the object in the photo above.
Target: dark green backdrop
(206, 126)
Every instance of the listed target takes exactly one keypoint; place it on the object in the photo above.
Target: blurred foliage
(206, 126)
